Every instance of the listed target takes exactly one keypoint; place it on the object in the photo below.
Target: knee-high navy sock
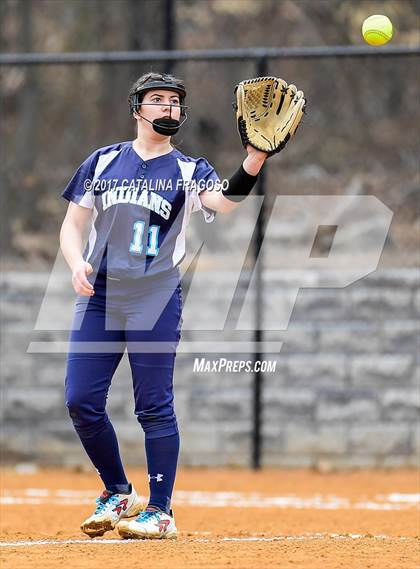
(162, 458)
(103, 451)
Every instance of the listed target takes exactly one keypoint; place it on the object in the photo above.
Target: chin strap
(165, 125)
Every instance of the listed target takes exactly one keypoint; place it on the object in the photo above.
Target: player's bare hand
(79, 279)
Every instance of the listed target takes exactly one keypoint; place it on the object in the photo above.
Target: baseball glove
(268, 111)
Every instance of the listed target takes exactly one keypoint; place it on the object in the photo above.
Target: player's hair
(156, 80)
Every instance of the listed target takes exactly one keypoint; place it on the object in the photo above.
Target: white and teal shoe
(111, 508)
(150, 524)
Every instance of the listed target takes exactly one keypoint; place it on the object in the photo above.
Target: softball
(377, 30)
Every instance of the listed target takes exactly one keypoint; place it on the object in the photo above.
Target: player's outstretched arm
(73, 228)
(240, 184)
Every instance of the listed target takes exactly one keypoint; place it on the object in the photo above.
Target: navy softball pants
(142, 316)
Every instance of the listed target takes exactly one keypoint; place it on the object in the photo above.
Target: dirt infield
(227, 519)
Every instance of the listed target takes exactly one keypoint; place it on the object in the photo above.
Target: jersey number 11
(136, 246)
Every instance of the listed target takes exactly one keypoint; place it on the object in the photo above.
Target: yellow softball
(377, 29)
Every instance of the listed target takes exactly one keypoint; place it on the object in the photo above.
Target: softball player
(137, 197)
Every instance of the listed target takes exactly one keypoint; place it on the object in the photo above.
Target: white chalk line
(305, 537)
(62, 497)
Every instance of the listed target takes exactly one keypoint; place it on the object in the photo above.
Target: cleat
(150, 524)
(110, 510)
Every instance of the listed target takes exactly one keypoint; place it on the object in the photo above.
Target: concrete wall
(345, 391)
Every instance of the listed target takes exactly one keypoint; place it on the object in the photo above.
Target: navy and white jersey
(140, 208)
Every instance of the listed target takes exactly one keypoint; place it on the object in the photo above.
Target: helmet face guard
(166, 126)
(135, 99)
